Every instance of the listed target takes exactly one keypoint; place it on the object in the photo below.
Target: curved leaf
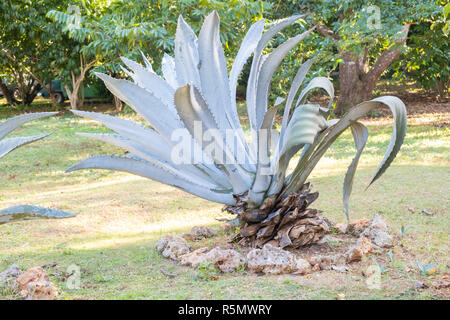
(150, 140)
(148, 170)
(12, 123)
(28, 212)
(148, 65)
(145, 103)
(8, 145)
(214, 75)
(318, 82)
(256, 65)
(169, 71)
(215, 84)
(193, 111)
(263, 177)
(321, 145)
(187, 172)
(248, 46)
(151, 82)
(296, 83)
(306, 122)
(360, 135)
(268, 67)
(398, 110)
(186, 55)
(144, 136)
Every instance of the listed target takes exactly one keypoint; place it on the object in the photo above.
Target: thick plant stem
(286, 223)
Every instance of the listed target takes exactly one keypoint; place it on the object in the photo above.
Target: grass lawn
(121, 216)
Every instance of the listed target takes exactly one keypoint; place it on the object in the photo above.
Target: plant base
(287, 223)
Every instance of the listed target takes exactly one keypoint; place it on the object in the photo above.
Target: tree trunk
(118, 104)
(76, 95)
(353, 88)
(50, 91)
(30, 95)
(26, 90)
(7, 93)
(81, 96)
(357, 80)
(73, 98)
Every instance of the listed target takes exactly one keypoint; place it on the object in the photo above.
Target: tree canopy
(354, 43)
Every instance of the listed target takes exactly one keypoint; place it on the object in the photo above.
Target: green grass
(121, 216)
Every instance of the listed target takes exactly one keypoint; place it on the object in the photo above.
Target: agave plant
(196, 92)
(24, 212)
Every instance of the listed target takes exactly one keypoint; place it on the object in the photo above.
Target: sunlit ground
(120, 217)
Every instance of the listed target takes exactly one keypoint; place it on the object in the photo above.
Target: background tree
(128, 28)
(29, 48)
(365, 38)
(427, 56)
(77, 57)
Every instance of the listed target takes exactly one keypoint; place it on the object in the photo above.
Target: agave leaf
(150, 140)
(28, 212)
(278, 101)
(306, 122)
(214, 80)
(169, 71)
(276, 27)
(8, 145)
(303, 127)
(296, 83)
(148, 65)
(148, 170)
(398, 109)
(256, 65)
(145, 103)
(12, 123)
(151, 82)
(268, 67)
(186, 55)
(144, 136)
(318, 82)
(124, 143)
(193, 109)
(263, 178)
(214, 74)
(248, 46)
(360, 135)
(188, 172)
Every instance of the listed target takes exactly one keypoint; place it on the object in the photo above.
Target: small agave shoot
(197, 94)
(24, 212)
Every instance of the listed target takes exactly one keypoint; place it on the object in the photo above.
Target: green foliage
(426, 59)
(58, 31)
(354, 27)
(206, 271)
(446, 13)
(127, 27)
(30, 46)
